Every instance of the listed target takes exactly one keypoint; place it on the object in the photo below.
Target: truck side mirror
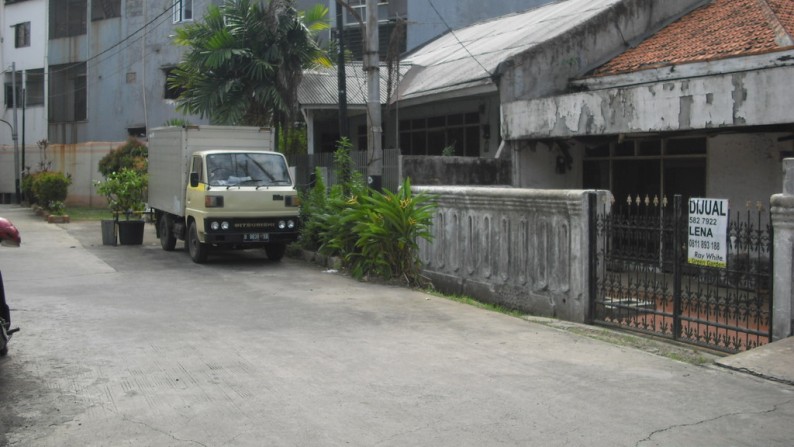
(194, 179)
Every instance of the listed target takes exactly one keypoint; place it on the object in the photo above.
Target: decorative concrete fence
(783, 286)
(525, 249)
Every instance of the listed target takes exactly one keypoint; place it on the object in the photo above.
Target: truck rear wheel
(275, 251)
(167, 238)
(198, 251)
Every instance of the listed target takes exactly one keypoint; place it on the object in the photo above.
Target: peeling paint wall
(752, 98)
(547, 68)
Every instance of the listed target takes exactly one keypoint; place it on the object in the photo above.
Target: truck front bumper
(251, 232)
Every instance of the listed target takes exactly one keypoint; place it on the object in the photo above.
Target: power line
(456, 37)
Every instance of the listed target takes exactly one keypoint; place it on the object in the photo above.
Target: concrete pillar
(783, 225)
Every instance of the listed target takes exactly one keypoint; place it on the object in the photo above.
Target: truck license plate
(256, 237)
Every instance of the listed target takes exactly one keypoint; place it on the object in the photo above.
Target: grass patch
(79, 213)
(472, 302)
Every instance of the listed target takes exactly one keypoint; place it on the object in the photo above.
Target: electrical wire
(456, 38)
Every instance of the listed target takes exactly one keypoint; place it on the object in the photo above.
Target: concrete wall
(748, 98)
(783, 223)
(536, 162)
(520, 248)
(547, 68)
(463, 171)
(745, 167)
(80, 161)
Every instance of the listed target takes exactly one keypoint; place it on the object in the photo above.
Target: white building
(23, 32)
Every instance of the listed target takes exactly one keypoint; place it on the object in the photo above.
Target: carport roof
(319, 87)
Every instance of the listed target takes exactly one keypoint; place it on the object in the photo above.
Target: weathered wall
(745, 167)
(80, 161)
(537, 163)
(469, 171)
(520, 248)
(547, 68)
(783, 287)
(759, 97)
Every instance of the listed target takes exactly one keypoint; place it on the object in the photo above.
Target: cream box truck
(221, 187)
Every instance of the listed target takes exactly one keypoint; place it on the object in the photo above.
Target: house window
(458, 134)
(648, 167)
(183, 10)
(33, 88)
(105, 9)
(67, 18)
(360, 8)
(67, 93)
(22, 35)
(171, 92)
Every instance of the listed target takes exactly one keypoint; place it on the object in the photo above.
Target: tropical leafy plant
(246, 59)
(385, 231)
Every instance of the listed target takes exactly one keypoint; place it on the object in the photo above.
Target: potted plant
(125, 192)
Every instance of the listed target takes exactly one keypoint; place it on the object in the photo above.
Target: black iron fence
(642, 280)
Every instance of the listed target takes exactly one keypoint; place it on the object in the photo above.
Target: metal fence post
(592, 235)
(676, 266)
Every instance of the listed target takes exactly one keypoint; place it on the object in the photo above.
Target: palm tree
(246, 59)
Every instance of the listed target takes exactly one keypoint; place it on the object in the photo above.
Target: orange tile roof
(721, 29)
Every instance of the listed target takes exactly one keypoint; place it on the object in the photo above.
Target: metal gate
(642, 282)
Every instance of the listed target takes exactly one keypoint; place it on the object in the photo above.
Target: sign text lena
(708, 226)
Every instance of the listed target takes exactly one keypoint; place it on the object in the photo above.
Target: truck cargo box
(170, 149)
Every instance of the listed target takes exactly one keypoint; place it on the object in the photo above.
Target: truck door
(195, 194)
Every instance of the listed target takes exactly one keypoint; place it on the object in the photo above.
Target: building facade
(23, 30)
(108, 61)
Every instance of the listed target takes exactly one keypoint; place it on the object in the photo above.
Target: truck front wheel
(197, 250)
(167, 237)
(275, 251)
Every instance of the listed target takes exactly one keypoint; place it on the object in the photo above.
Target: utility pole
(374, 129)
(17, 169)
(344, 130)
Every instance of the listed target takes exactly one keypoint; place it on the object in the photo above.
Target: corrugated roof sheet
(319, 87)
(721, 29)
(468, 56)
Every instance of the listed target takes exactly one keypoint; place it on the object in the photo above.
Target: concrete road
(136, 346)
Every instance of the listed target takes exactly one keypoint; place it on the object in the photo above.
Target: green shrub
(131, 155)
(382, 234)
(375, 234)
(49, 187)
(313, 203)
(26, 187)
(125, 191)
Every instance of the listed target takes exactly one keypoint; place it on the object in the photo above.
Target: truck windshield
(247, 169)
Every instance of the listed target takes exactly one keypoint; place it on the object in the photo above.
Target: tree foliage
(245, 61)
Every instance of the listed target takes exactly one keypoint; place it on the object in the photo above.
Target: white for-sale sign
(708, 226)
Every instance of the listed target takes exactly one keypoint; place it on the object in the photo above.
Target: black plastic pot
(131, 232)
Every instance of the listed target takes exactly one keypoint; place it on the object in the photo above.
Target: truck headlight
(214, 226)
(282, 225)
(291, 224)
(224, 225)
